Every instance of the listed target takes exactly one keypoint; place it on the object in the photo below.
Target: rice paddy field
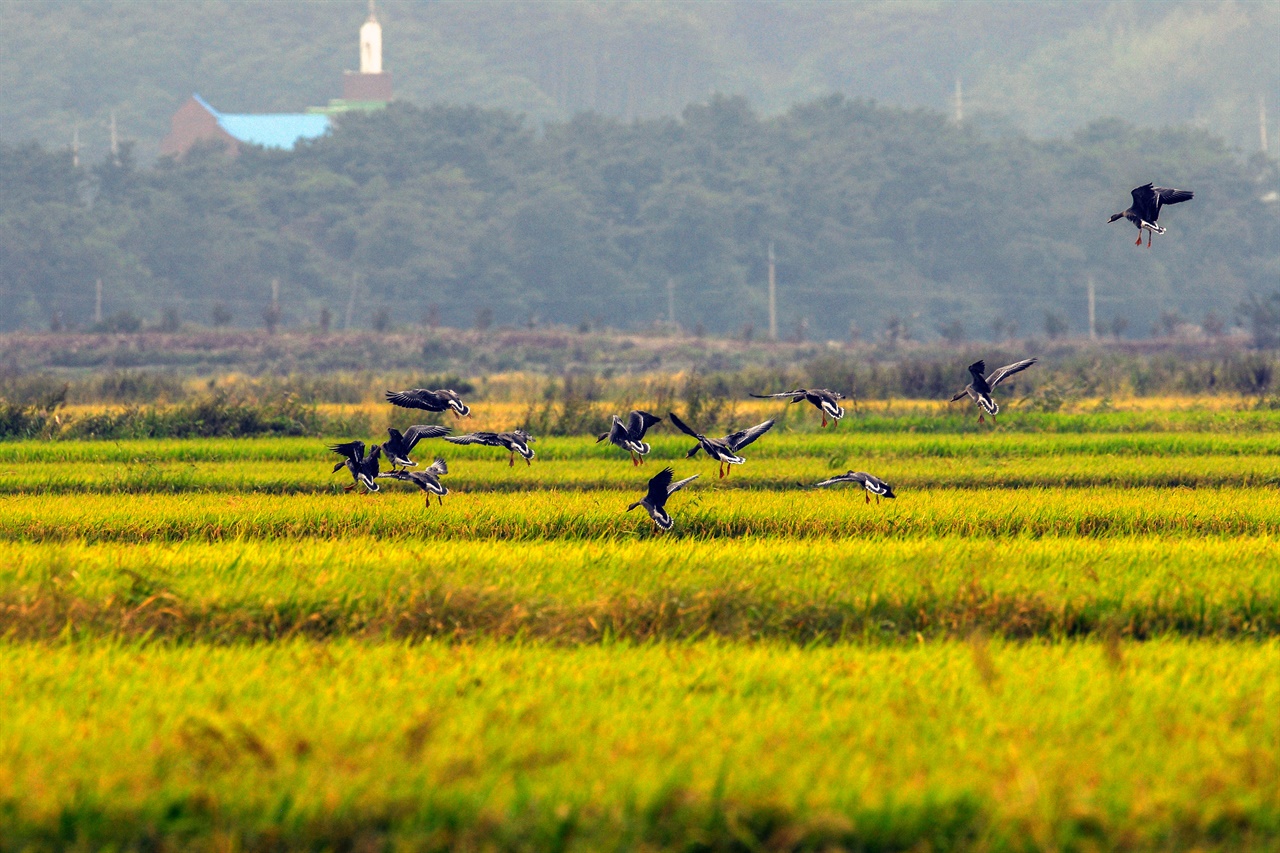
(1064, 634)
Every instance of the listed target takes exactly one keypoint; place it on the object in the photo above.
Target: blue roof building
(197, 120)
(367, 90)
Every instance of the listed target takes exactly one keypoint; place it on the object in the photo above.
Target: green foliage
(898, 221)
(215, 415)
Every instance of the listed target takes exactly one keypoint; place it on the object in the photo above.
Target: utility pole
(75, 148)
(1093, 328)
(671, 304)
(97, 302)
(1262, 124)
(959, 101)
(115, 141)
(773, 295)
(351, 301)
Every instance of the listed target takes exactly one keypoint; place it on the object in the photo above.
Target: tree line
(884, 222)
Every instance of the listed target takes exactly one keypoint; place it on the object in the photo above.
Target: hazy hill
(1049, 67)
(885, 221)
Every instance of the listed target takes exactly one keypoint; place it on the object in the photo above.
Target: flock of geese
(364, 464)
(365, 468)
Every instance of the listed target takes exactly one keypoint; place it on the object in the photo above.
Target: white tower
(371, 44)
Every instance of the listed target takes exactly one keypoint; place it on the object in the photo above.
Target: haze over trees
(590, 170)
(1045, 68)
(882, 218)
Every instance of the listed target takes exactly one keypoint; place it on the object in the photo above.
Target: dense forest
(1044, 68)
(884, 221)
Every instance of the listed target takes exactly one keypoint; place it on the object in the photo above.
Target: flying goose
(825, 399)
(661, 488)
(1147, 201)
(979, 389)
(399, 446)
(630, 436)
(871, 485)
(516, 441)
(432, 401)
(723, 450)
(428, 479)
(364, 469)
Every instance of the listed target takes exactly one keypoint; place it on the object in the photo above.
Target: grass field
(1054, 639)
(1165, 745)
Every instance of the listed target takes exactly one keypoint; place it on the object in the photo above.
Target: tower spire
(371, 44)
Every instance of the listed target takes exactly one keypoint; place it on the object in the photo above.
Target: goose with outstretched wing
(827, 401)
(516, 441)
(661, 488)
(363, 468)
(723, 450)
(443, 400)
(870, 485)
(980, 386)
(630, 436)
(1147, 201)
(428, 479)
(399, 445)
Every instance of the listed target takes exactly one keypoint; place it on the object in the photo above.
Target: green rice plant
(642, 588)
(777, 444)
(778, 461)
(973, 745)
(710, 512)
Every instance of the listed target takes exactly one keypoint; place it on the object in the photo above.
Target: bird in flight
(1147, 201)
(661, 488)
(630, 436)
(516, 441)
(399, 445)
(870, 485)
(431, 401)
(428, 479)
(825, 399)
(723, 450)
(979, 388)
(364, 469)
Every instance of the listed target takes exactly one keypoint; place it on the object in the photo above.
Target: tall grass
(710, 513)
(779, 461)
(959, 746)
(802, 591)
